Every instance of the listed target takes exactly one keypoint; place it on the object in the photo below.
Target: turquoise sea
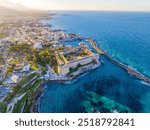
(126, 37)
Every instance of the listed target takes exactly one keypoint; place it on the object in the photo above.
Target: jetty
(93, 43)
(130, 71)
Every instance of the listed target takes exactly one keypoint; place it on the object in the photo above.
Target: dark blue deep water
(126, 37)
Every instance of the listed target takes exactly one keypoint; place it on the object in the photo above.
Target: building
(74, 59)
(14, 78)
(26, 68)
(38, 46)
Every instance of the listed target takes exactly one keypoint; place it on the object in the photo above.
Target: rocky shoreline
(39, 92)
(130, 71)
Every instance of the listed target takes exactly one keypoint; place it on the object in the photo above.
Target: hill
(17, 6)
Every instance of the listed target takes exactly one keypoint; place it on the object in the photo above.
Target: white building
(14, 78)
(26, 68)
(37, 45)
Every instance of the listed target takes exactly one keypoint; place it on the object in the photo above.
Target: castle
(75, 58)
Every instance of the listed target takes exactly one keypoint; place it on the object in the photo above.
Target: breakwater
(131, 71)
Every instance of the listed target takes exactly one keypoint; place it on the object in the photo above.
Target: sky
(123, 5)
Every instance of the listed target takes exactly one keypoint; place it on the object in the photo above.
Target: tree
(2, 108)
(79, 65)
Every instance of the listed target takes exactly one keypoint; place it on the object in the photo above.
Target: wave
(74, 80)
(144, 83)
(126, 65)
(133, 68)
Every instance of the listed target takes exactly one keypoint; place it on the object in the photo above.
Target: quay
(126, 68)
(93, 43)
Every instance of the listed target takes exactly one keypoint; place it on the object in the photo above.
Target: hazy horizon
(95, 5)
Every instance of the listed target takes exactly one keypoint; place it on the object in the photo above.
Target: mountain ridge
(10, 9)
(14, 6)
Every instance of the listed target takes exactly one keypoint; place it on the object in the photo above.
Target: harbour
(129, 70)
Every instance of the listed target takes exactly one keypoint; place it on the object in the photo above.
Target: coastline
(130, 71)
(40, 91)
(37, 95)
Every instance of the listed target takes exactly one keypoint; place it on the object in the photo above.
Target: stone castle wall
(63, 70)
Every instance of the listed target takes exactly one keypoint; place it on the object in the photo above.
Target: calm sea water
(126, 37)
